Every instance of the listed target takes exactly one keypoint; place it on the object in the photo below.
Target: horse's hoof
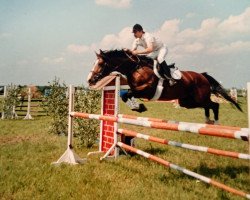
(216, 122)
(141, 108)
(210, 122)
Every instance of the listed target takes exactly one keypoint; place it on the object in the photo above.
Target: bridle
(98, 75)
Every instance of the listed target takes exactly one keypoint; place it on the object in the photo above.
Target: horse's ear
(97, 54)
(102, 54)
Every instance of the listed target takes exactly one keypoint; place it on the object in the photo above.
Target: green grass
(27, 150)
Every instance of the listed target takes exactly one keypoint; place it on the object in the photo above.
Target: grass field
(26, 151)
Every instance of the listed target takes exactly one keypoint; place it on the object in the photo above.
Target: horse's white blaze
(91, 72)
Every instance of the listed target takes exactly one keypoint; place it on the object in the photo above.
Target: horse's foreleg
(124, 95)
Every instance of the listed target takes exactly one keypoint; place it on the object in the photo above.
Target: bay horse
(193, 90)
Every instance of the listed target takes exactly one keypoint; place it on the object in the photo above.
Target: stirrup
(172, 82)
(175, 73)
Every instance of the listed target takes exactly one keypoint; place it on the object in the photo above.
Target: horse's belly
(173, 92)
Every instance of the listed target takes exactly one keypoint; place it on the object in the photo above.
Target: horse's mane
(114, 53)
(121, 53)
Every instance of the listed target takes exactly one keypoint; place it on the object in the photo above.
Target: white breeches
(159, 55)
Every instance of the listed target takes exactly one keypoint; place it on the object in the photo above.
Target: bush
(11, 101)
(88, 101)
(86, 131)
(57, 107)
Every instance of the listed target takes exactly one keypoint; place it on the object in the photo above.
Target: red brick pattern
(108, 127)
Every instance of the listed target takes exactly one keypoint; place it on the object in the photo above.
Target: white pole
(117, 96)
(248, 112)
(69, 155)
(28, 115)
(101, 125)
(4, 96)
(70, 120)
(248, 103)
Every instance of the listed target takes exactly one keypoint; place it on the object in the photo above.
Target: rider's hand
(135, 52)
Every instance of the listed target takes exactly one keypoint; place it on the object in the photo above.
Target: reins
(131, 57)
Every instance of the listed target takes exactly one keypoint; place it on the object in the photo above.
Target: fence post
(248, 103)
(28, 115)
(4, 96)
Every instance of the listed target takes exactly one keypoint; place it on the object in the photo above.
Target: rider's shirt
(145, 41)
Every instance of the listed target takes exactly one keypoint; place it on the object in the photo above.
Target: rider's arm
(147, 50)
(149, 39)
(135, 44)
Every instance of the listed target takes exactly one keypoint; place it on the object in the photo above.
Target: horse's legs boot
(128, 98)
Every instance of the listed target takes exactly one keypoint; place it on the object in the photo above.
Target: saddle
(167, 72)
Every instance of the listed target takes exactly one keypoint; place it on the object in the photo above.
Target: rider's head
(138, 30)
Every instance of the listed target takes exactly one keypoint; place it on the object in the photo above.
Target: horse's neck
(128, 68)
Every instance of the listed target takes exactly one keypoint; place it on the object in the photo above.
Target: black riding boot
(165, 72)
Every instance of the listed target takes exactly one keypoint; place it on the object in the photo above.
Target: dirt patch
(16, 139)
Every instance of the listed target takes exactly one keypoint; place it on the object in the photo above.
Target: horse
(193, 90)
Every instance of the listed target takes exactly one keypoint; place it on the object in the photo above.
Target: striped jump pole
(184, 123)
(183, 170)
(225, 133)
(185, 146)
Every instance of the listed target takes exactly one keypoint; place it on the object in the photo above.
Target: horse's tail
(217, 89)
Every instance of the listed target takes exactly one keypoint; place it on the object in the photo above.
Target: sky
(44, 39)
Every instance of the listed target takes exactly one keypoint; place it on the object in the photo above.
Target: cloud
(5, 35)
(74, 48)
(48, 60)
(168, 31)
(237, 24)
(213, 36)
(114, 3)
(230, 48)
(190, 15)
(117, 41)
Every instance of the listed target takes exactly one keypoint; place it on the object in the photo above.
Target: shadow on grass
(156, 150)
(229, 171)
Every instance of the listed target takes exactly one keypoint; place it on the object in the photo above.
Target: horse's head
(107, 62)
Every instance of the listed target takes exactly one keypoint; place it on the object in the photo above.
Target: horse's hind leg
(207, 115)
(215, 107)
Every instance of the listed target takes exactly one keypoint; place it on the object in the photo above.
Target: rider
(156, 50)
(153, 48)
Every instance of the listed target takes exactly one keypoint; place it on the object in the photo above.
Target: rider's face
(138, 34)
